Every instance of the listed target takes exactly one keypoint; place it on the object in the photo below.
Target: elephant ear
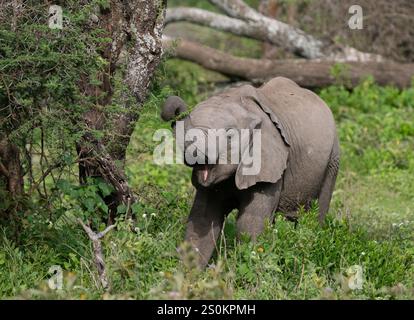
(274, 145)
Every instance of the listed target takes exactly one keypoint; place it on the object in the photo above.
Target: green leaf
(105, 188)
(89, 203)
(121, 208)
(137, 208)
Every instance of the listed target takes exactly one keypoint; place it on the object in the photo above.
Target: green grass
(377, 138)
(370, 226)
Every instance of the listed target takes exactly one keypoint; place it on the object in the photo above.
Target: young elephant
(299, 158)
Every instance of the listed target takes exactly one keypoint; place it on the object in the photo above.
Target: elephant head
(230, 120)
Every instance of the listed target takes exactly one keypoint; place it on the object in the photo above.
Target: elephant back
(308, 120)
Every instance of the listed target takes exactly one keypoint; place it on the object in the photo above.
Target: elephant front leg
(257, 205)
(205, 223)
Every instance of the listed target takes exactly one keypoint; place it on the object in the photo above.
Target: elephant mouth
(203, 173)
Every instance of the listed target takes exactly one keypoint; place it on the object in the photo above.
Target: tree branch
(252, 24)
(97, 250)
(294, 39)
(216, 21)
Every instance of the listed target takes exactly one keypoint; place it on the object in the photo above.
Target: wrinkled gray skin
(299, 159)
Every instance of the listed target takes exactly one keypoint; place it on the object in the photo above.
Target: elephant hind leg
(328, 183)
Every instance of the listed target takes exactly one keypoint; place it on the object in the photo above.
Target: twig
(97, 250)
(44, 175)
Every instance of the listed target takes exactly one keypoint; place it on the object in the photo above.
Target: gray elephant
(299, 158)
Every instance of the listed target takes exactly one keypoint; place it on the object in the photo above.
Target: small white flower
(144, 215)
(153, 214)
(363, 253)
(136, 229)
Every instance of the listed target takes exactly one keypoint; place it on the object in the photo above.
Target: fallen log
(314, 73)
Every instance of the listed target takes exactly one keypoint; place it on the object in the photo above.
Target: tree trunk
(135, 28)
(11, 175)
(307, 73)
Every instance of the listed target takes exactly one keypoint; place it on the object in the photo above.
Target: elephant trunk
(173, 107)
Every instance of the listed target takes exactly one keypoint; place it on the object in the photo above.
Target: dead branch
(253, 25)
(293, 39)
(219, 22)
(245, 21)
(97, 250)
(307, 73)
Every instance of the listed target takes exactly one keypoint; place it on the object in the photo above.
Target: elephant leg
(205, 223)
(328, 183)
(256, 206)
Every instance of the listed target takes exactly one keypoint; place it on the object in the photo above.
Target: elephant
(299, 159)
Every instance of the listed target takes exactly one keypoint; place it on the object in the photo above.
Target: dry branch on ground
(97, 251)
